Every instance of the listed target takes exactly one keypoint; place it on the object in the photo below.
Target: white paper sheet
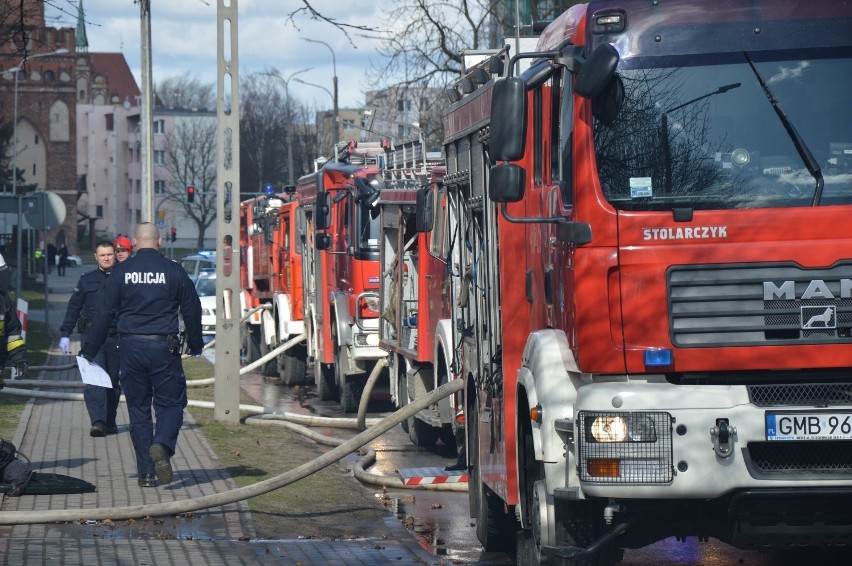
(93, 374)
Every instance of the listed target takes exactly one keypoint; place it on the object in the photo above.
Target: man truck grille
(762, 304)
(797, 457)
(801, 394)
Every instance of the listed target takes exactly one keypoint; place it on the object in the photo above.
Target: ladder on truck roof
(409, 160)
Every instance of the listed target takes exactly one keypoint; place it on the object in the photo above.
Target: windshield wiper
(804, 152)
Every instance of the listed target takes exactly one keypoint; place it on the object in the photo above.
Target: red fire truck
(271, 275)
(658, 334)
(416, 293)
(341, 271)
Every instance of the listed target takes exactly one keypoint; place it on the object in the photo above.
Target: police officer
(101, 402)
(144, 295)
(15, 350)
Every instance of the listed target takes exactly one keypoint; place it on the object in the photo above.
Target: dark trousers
(151, 375)
(101, 402)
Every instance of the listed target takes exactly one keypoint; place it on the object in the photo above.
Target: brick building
(50, 80)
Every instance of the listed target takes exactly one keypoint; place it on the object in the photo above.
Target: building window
(49, 76)
(400, 105)
(159, 187)
(110, 122)
(348, 125)
(400, 130)
(159, 157)
(424, 104)
(159, 126)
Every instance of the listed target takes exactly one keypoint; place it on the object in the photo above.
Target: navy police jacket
(144, 295)
(85, 301)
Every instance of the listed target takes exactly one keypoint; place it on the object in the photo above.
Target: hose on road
(239, 494)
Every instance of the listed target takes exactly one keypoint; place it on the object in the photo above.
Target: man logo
(819, 317)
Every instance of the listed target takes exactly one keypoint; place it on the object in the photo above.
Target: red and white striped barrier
(431, 475)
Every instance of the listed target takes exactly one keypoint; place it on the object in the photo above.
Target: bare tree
(185, 91)
(190, 149)
(277, 140)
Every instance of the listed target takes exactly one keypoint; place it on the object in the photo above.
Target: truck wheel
(402, 392)
(252, 341)
(292, 365)
(492, 525)
(350, 392)
(270, 368)
(324, 375)
(422, 434)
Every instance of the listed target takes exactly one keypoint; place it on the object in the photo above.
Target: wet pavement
(54, 434)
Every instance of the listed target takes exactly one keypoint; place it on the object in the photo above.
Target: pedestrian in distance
(101, 402)
(144, 296)
(15, 350)
(51, 257)
(123, 248)
(62, 262)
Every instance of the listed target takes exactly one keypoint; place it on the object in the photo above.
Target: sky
(183, 39)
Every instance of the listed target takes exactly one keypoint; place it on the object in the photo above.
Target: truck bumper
(699, 442)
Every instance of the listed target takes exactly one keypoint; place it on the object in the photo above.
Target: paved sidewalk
(55, 436)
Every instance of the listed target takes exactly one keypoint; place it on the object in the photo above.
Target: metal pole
(147, 195)
(289, 118)
(18, 245)
(46, 260)
(334, 80)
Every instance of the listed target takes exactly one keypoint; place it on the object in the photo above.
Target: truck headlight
(629, 427)
(626, 448)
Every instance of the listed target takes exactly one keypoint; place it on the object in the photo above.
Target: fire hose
(239, 494)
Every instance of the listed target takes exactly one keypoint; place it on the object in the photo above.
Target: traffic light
(174, 234)
(190, 194)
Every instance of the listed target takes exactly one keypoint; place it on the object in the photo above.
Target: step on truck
(658, 337)
(271, 277)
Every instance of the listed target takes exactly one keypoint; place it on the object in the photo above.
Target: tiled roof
(114, 67)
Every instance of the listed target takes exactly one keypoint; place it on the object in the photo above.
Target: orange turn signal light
(535, 414)
(604, 468)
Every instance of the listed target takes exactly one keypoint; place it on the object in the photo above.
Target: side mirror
(597, 72)
(322, 211)
(506, 183)
(607, 105)
(424, 213)
(509, 130)
(322, 241)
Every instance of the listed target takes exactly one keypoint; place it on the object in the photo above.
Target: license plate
(809, 426)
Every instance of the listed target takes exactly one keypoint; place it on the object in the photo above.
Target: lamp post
(336, 134)
(334, 83)
(18, 247)
(290, 125)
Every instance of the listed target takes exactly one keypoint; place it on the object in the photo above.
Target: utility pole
(147, 195)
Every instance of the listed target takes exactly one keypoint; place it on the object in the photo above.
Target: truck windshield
(702, 134)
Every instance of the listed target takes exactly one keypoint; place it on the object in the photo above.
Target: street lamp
(18, 248)
(334, 82)
(290, 125)
(336, 127)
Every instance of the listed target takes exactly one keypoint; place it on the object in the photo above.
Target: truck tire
(324, 376)
(349, 386)
(350, 392)
(493, 526)
(578, 523)
(270, 368)
(422, 434)
(252, 343)
(292, 365)
(402, 390)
